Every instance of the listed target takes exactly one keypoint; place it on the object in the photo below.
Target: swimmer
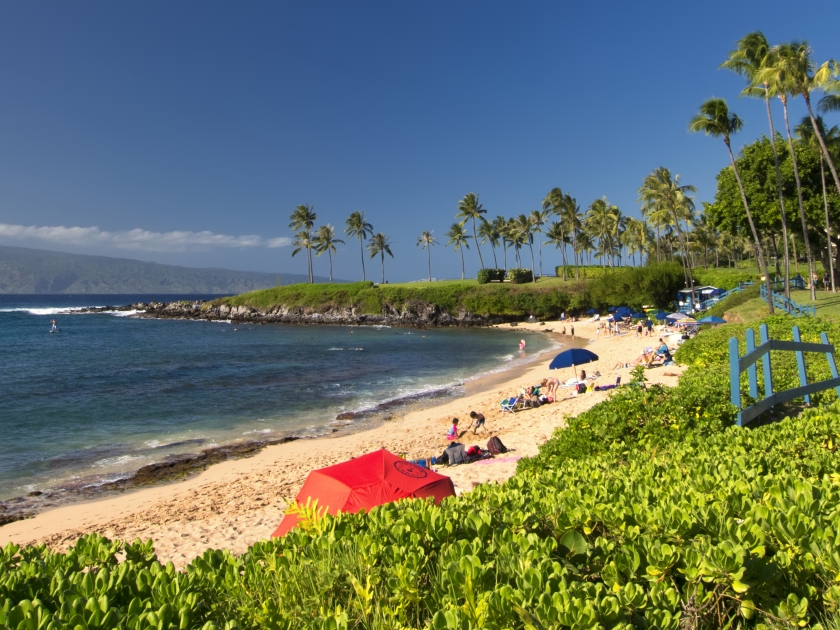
(521, 344)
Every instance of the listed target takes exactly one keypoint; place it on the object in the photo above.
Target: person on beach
(564, 331)
(639, 329)
(663, 350)
(826, 280)
(573, 332)
(649, 327)
(521, 344)
(551, 385)
(453, 430)
(478, 421)
(582, 376)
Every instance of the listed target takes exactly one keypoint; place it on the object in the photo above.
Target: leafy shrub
(724, 278)
(731, 301)
(655, 285)
(583, 272)
(519, 276)
(490, 275)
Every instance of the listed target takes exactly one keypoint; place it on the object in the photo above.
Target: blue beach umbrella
(661, 316)
(711, 320)
(575, 356)
(612, 309)
(638, 316)
(592, 311)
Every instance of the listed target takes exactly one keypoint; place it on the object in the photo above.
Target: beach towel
(455, 454)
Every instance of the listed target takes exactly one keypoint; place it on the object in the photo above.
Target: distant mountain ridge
(25, 270)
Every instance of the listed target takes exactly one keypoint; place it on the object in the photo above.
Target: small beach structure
(365, 482)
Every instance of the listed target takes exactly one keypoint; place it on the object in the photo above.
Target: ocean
(110, 393)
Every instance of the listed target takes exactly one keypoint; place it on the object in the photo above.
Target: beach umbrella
(592, 311)
(711, 320)
(686, 322)
(678, 316)
(638, 316)
(612, 309)
(661, 316)
(570, 358)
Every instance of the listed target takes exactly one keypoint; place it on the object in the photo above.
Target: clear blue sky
(173, 119)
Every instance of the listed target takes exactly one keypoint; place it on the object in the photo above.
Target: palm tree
(499, 227)
(780, 75)
(325, 241)
(514, 237)
(379, 244)
(489, 233)
(602, 223)
(523, 229)
(572, 219)
(556, 234)
(538, 219)
(302, 220)
(459, 240)
(358, 227)
(635, 238)
(303, 241)
(427, 241)
(660, 190)
(748, 60)
(470, 208)
(715, 120)
(806, 134)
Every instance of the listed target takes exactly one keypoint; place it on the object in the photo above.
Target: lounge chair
(509, 404)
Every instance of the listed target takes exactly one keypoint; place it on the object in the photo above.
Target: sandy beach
(237, 502)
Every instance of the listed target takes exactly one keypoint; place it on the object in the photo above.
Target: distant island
(28, 271)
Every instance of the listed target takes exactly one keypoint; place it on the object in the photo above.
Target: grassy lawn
(827, 303)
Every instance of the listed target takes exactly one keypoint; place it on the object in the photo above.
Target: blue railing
(791, 307)
(688, 307)
(739, 364)
(797, 282)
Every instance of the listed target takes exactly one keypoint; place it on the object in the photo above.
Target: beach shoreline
(236, 502)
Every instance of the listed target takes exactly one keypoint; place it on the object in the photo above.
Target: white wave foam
(119, 461)
(45, 311)
(255, 431)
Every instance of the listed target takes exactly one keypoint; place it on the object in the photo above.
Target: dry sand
(235, 503)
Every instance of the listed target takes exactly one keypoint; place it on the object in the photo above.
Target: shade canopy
(612, 309)
(661, 316)
(639, 315)
(575, 356)
(365, 482)
(711, 320)
(676, 316)
(592, 311)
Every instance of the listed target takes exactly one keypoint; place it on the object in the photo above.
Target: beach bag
(474, 451)
(495, 446)
(456, 454)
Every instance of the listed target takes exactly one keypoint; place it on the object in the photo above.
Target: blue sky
(186, 133)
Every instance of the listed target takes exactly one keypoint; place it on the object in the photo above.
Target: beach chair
(508, 404)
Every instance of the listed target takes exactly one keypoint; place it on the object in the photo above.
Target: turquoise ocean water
(110, 393)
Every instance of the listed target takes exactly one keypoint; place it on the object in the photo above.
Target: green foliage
(724, 278)
(586, 271)
(519, 276)
(731, 301)
(655, 285)
(490, 275)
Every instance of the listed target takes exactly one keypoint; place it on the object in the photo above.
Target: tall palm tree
(779, 73)
(514, 237)
(524, 231)
(553, 205)
(489, 233)
(538, 219)
(749, 60)
(358, 227)
(470, 208)
(427, 241)
(572, 219)
(301, 242)
(379, 244)
(325, 241)
(660, 189)
(459, 239)
(806, 134)
(715, 120)
(302, 220)
(556, 234)
(500, 228)
(602, 222)
(635, 238)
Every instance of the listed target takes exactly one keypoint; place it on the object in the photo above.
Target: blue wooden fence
(789, 306)
(740, 364)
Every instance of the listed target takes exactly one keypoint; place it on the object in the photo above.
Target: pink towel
(499, 460)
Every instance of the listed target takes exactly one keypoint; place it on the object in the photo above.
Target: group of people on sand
(649, 355)
(478, 421)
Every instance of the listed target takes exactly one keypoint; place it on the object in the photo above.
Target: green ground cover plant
(733, 301)
(650, 510)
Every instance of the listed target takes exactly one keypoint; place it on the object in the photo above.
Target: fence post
(800, 364)
(751, 374)
(765, 361)
(734, 377)
(832, 365)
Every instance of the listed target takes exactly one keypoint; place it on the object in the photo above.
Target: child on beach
(453, 430)
(479, 422)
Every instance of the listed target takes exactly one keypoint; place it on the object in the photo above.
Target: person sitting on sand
(645, 357)
(453, 430)
(478, 419)
(582, 377)
(664, 352)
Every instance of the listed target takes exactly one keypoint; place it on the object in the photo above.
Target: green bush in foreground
(649, 511)
(490, 275)
(516, 275)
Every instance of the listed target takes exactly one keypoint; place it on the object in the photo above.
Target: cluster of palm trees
(323, 240)
(784, 71)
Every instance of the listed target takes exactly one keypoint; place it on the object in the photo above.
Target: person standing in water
(54, 326)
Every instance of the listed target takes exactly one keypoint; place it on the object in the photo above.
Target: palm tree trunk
(827, 226)
(382, 255)
(495, 262)
(540, 246)
(477, 246)
(362, 251)
(775, 253)
(801, 205)
(533, 277)
(689, 276)
(462, 263)
(759, 251)
(504, 251)
(795, 253)
(575, 252)
(658, 257)
(781, 196)
(329, 253)
(309, 257)
(430, 262)
(828, 158)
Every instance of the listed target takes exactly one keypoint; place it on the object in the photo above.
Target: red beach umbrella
(365, 482)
